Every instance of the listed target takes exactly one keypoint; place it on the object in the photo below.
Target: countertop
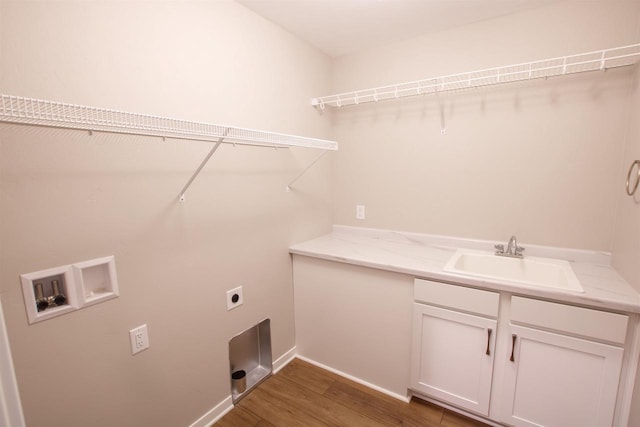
(425, 256)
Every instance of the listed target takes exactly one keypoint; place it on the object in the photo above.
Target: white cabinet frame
(556, 380)
(455, 360)
(10, 406)
(572, 366)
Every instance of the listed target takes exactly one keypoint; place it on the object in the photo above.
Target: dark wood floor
(302, 394)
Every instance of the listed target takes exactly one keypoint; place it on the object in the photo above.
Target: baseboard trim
(214, 414)
(405, 399)
(284, 360)
(221, 409)
(456, 409)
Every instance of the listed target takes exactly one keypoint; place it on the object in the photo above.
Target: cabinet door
(452, 356)
(554, 380)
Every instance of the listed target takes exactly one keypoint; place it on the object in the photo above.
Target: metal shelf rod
(154, 135)
(590, 61)
(37, 112)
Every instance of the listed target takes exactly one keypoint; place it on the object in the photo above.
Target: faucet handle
(499, 248)
(519, 250)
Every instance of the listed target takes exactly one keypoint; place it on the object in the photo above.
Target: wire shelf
(37, 112)
(584, 62)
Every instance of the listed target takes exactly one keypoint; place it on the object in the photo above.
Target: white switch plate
(359, 211)
(234, 298)
(139, 339)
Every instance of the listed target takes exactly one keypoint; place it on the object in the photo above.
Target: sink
(547, 272)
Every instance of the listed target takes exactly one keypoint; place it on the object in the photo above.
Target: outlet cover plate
(234, 298)
(139, 338)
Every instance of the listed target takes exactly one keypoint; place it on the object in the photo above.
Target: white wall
(66, 197)
(356, 320)
(627, 233)
(626, 249)
(540, 160)
(545, 160)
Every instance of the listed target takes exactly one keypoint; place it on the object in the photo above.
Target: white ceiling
(338, 27)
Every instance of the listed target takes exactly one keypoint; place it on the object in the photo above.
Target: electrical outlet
(139, 338)
(359, 211)
(234, 298)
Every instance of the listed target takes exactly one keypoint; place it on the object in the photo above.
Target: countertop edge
(583, 299)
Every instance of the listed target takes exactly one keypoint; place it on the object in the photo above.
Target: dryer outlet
(234, 298)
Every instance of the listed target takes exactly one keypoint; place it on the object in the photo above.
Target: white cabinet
(555, 366)
(455, 361)
(556, 380)
(453, 351)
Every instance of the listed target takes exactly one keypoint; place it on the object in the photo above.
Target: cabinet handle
(513, 347)
(488, 352)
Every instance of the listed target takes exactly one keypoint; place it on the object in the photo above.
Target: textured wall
(627, 235)
(67, 197)
(626, 245)
(356, 320)
(540, 160)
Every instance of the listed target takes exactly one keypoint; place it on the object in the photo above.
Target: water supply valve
(41, 302)
(49, 293)
(58, 297)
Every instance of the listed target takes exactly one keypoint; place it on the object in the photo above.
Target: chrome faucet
(513, 250)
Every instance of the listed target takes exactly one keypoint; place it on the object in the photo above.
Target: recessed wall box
(59, 290)
(49, 293)
(96, 280)
(250, 352)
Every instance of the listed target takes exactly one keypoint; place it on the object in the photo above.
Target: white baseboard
(213, 415)
(405, 399)
(284, 360)
(226, 405)
(222, 408)
(457, 410)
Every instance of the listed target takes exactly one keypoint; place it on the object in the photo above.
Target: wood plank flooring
(302, 394)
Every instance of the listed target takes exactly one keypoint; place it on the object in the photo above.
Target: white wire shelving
(591, 61)
(38, 112)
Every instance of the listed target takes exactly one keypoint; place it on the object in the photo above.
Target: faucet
(513, 250)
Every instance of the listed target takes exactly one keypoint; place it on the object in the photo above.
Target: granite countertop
(425, 256)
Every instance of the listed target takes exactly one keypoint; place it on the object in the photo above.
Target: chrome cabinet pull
(488, 352)
(513, 347)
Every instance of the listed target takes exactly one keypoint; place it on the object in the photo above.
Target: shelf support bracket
(202, 164)
(288, 188)
(443, 128)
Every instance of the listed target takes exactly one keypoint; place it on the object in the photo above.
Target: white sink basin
(550, 273)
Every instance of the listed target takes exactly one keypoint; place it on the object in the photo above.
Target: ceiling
(339, 27)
